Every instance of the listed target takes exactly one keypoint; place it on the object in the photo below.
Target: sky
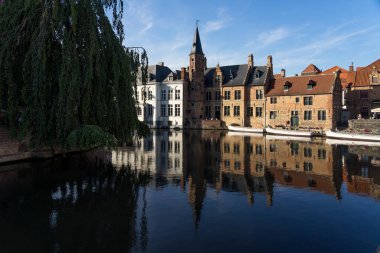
(296, 33)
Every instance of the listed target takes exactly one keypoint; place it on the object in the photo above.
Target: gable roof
(322, 84)
(238, 75)
(334, 69)
(362, 75)
(157, 73)
(311, 70)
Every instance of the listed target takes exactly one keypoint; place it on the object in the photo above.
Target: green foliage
(88, 137)
(63, 66)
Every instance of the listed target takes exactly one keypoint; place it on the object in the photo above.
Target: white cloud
(270, 37)
(223, 19)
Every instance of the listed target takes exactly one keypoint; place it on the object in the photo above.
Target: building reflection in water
(250, 164)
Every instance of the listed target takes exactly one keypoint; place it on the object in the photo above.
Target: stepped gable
(362, 74)
(298, 85)
(311, 70)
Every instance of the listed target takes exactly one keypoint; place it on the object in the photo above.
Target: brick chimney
(161, 64)
(283, 73)
(250, 61)
(351, 67)
(269, 62)
(205, 63)
(183, 73)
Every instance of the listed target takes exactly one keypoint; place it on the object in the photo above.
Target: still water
(196, 191)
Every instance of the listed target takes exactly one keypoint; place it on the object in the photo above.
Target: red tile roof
(323, 84)
(311, 69)
(334, 69)
(362, 74)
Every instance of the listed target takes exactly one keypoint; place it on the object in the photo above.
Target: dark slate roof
(197, 46)
(258, 76)
(158, 73)
(236, 75)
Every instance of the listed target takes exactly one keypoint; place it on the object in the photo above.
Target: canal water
(196, 191)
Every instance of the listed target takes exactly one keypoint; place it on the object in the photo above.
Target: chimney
(205, 63)
(183, 73)
(269, 62)
(351, 67)
(161, 64)
(283, 73)
(250, 61)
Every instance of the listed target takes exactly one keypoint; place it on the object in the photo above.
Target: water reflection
(251, 164)
(76, 205)
(109, 201)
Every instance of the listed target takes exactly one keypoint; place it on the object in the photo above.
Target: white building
(161, 100)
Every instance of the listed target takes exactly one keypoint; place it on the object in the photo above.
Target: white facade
(161, 104)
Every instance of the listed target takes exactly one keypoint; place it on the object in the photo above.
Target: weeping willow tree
(65, 73)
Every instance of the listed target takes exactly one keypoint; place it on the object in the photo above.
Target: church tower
(197, 68)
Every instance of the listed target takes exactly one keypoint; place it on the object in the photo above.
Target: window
(249, 148)
(307, 152)
(208, 111)
(309, 86)
(236, 110)
(286, 87)
(237, 94)
(364, 94)
(321, 153)
(177, 94)
(307, 115)
(259, 94)
(150, 95)
(375, 79)
(273, 114)
(170, 110)
(259, 112)
(272, 148)
(163, 110)
(208, 95)
(273, 100)
(250, 111)
(177, 147)
(137, 95)
(227, 111)
(170, 94)
(227, 95)
(163, 95)
(321, 114)
(273, 162)
(364, 111)
(217, 95)
(237, 165)
(236, 149)
(294, 146)
(226, 148)
(307, 166)
(294, 113)
(308, 100)
(177, 110)
(139, 111)
(297, 99)
(259, 149)
(227, 163)
(259, 167)
(150, 110)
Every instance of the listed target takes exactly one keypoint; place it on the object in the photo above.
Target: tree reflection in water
(74, 206)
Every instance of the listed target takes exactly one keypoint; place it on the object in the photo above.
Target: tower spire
(197, 45)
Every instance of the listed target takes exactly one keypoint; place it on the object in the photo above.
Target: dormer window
(170, 78)
(287, 85)
(375, 79)
(311, 84)
(257, 75)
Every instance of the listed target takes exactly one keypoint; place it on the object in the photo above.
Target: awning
(376, 110)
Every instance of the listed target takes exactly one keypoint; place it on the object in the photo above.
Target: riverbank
(12, 151)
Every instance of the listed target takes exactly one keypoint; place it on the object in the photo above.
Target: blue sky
(295, 33)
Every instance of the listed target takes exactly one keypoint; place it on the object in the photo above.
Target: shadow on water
(81, 204)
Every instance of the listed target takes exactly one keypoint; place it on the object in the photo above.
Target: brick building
(306, 101)
(364, 93)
